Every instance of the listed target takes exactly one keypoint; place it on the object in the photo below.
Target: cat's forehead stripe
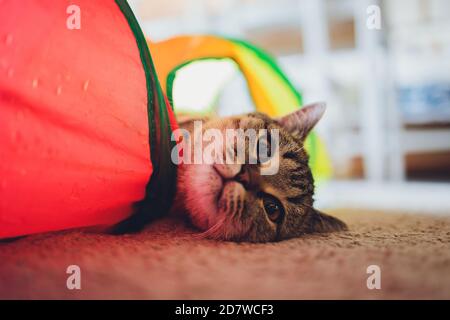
(296, 200)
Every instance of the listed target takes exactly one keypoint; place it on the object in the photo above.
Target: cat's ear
(323, 223)
(301, 122)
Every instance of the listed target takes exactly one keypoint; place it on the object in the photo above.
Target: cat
(236, 202)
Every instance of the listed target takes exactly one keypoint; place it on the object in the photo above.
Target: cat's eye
(273, 208)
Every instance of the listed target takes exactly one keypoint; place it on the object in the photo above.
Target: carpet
(166, 261)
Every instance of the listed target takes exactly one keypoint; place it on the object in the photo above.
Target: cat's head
(238, 202)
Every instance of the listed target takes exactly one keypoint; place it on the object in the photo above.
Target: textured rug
(166, 261)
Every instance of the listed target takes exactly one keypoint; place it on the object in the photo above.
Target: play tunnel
(85, 125)
(270, 89)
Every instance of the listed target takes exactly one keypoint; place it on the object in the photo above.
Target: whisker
(211, 232)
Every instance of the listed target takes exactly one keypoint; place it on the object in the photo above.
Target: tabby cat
(236, 202)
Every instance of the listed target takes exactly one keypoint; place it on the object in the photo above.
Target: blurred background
(387, 127)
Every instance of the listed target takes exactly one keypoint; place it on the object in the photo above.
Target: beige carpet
(165, 261)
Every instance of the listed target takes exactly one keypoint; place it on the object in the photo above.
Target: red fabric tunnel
(84, 126)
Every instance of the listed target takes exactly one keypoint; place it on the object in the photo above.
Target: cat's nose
(243, 177)
(249, 177)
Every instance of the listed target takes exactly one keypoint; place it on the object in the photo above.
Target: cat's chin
(202, 186)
